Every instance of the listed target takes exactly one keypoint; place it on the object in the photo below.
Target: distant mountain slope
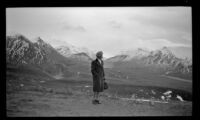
(21, 51)
(75, 52)
(14, 71)
(182, 52)
(118, 58)
(163, 58)
(82, 57)
(166, 57)
(129, 55)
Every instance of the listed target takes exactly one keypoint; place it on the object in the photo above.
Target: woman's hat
(100, 53)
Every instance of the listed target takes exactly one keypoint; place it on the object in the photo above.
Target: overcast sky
(110, 29)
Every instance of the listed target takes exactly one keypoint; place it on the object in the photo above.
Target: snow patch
(163, 97)
(87, 86)
(167, 93)
(180, 98)
(143, 100)
(58, 76)
(153, 92)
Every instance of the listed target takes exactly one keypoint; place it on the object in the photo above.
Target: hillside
(162, 61)
(71, 51)
(21, 52)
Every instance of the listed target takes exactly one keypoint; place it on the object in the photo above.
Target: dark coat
(98, 75)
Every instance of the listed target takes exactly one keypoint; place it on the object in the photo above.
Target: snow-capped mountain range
(138, 53)
(162, 57)
(20, 50)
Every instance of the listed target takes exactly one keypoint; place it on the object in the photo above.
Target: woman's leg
(94, 97)
(97, 95)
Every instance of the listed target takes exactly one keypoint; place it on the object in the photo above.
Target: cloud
(115, 24)
(187, 36)
(74, 28)
(151, 44)
(158, 43)
(174, 18)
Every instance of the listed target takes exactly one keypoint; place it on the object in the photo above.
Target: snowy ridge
(21, 50)
(138, 53)
(166, 58)
(81, 57)
(162, 57)
(72, 51)
(129, 55)
(118, 58)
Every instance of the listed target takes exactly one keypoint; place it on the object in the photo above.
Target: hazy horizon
(110, 29)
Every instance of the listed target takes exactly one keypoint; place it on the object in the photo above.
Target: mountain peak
(140, 49)
(41, 42)
(143, 49)
(164, 47)
(38, 39)
(18, 37)
(166, 51)
(163, 51)
(14, 34)
(68, 50)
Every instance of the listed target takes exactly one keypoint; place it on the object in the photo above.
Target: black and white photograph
(99, 61)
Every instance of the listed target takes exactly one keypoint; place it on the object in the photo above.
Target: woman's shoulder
(94, 61)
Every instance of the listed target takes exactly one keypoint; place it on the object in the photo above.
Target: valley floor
(35, 104)
(176, 78)
(54, 98)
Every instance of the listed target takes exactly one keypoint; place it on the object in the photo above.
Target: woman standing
(98, 76)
